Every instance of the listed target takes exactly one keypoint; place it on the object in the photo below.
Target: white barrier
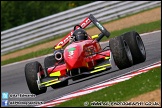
(54, 25)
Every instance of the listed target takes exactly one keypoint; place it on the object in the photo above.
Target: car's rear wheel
(136, 46)
(31, 74)
(121, 52)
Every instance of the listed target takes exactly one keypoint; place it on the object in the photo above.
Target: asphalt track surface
(13, 76)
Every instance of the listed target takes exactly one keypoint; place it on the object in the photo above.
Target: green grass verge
(122, 91)
(142, 28)
(62, 35)
(28, 56)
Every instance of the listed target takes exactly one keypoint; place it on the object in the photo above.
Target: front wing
(48, 81)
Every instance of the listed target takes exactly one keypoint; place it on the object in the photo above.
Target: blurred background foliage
(15, 13)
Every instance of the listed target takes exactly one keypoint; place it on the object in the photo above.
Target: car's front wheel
(34, 70)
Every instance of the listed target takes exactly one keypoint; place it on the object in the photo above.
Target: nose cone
(73, 56)
(74, 63)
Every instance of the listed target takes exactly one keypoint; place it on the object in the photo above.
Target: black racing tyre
(136, 46)
(61, 84)
(49, 61)
(31, 70)
(121, 52)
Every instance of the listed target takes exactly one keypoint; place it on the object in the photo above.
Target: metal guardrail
(54, 25)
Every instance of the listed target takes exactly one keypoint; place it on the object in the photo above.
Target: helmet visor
(80, 37)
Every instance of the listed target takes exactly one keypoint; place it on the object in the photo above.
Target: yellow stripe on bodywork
(58, 47)
(57, 73)
(102, 66)
(49, 81)
(52, 83)
(107, 57)
(94, 36)
(97, 70)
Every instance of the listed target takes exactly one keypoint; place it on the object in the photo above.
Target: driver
(79, 34)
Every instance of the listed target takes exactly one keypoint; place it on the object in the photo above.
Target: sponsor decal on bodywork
(99, 25)
(71, 51)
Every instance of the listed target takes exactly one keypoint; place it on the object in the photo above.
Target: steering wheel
(76, 26)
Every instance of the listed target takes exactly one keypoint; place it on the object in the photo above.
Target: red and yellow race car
(84, 55)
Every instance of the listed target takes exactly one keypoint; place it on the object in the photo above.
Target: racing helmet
(80, 34)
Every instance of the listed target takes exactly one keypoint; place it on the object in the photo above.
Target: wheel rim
(129, 55)
(140, 45)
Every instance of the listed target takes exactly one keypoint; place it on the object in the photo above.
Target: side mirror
(94, 36)
(58, 47)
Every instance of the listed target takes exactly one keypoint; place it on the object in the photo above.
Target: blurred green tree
(15, 13)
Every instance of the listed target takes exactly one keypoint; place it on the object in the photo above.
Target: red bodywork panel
(62, 68)
(76, 55)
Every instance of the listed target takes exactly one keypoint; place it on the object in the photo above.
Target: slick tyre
(136, 46)
(31, 70)
(121, 52)
(49, 61)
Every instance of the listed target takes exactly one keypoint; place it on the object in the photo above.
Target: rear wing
(84, 24)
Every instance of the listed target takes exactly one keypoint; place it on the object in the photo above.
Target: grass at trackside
(39, 43)
(142, 28)
(125, 16)
(122, 91)
(28, 56)
(62, 35)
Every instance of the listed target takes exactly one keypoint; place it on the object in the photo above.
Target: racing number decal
(71, 52)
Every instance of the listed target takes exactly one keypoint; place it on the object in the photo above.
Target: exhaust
(58, 56)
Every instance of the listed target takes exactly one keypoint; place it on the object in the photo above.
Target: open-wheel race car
(82, 55)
